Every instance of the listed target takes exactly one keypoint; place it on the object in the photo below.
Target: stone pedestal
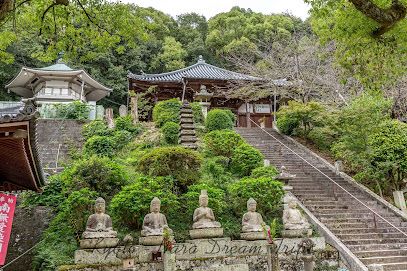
(296, 233)
(98, 242)
(154, 240)
(206, 233)
(251, 236)
(169, 261)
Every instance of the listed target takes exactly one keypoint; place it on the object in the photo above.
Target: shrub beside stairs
(343, 215)
(187, 136)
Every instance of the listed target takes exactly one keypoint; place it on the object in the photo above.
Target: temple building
(20, 167)
(203, 82)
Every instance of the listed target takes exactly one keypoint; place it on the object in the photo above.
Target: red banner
(7, 207)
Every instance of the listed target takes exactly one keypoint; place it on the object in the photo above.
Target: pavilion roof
(28, 78)
(199, 70)
(20, 166)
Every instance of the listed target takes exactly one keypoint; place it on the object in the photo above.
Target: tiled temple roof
(199, 70)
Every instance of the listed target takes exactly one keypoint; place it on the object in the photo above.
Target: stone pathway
(344, 214)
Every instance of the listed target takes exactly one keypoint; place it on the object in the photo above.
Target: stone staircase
(187, 136)
(367, 236)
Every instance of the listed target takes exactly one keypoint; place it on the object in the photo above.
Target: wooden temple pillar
(248, 121)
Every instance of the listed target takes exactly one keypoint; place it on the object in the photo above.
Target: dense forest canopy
(352, 49)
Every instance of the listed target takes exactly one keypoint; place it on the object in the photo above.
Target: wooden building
(20, 167)
(204, 83)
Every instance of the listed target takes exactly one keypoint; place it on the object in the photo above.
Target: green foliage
(99, 174)
(170, 131)
(181, 163)
(74, 110)
(129, 206)
(215, 170)
(387, 155)
(266, 191)
(51, 194)
(245, 158)
(356, 122)
(100, 145)
(165, 111)
(298, 118)
(171, 57)
(222, 142)
(323, 137)
(126, 124)
(95, 128)
(218, 119)
(121, 138)
(264, 171)
(197, 112)
(59, 241)
(373, 61)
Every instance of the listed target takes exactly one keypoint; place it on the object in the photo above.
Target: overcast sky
(209, 8)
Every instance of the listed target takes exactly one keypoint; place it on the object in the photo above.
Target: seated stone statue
(203, 216)
(205, 225)
(154, 222)
(252, 223)
(295, 223)
(99, 232)
(153, 225)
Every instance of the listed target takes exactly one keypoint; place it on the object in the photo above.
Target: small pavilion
(20, 166)
(57, 83)
(202, 82)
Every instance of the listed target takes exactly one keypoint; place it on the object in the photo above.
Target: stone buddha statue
(295, 224)
(205, 225)
(99, 225)
(154, 222)
(203, 216)
(99, 232)
(252, 221)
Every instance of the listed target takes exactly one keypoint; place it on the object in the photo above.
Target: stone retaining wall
(54, 134)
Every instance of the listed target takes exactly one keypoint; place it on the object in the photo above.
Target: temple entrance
(265, 119)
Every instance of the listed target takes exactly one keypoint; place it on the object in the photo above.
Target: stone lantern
(204, 97)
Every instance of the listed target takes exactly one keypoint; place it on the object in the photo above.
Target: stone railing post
(306, 246)
(272, 257)
(169, 261)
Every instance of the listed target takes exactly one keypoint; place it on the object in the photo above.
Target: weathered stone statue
(99, 232)
(252, 228)
(295, 224)
(153, 225)
(205, 225)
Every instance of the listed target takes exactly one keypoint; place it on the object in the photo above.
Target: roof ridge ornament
(200, 59)
(60, 58)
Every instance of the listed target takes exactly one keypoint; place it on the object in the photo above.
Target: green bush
(222, 142)
(100, 145)
(132, 203)
(126, 124)
(245, 158)
(218, 119)
(231, 115)
(58, 242)
(95, 128)
(181, 163)
(51, 194)
(170, 131)
(266, 191)
(197, 112)
(216, 166)
(287, 125)
(121, 138)
(263, 171)
(323, 137)
(74, 110)
(99, 174)
(166, 111)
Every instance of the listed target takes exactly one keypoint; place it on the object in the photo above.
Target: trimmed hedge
(269, 171)
(222, 142)
(166, 111)
(245, 158)
(181, 163)
(219, 119)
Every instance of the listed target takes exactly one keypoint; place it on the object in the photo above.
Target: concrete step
(384, 259)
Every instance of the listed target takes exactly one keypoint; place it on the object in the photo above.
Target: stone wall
(54, 134)
(28, 225)
(203, 255)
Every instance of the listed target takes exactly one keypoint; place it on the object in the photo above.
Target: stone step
(191, 139)
(388, 229)
(186, 111)
(395, 266)
(369, 247)
(190, 145)
(187, 126)
(187, 115)
(383, 253)
(373, 235)
(187, 132)
(187, 120)
(384, 259)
